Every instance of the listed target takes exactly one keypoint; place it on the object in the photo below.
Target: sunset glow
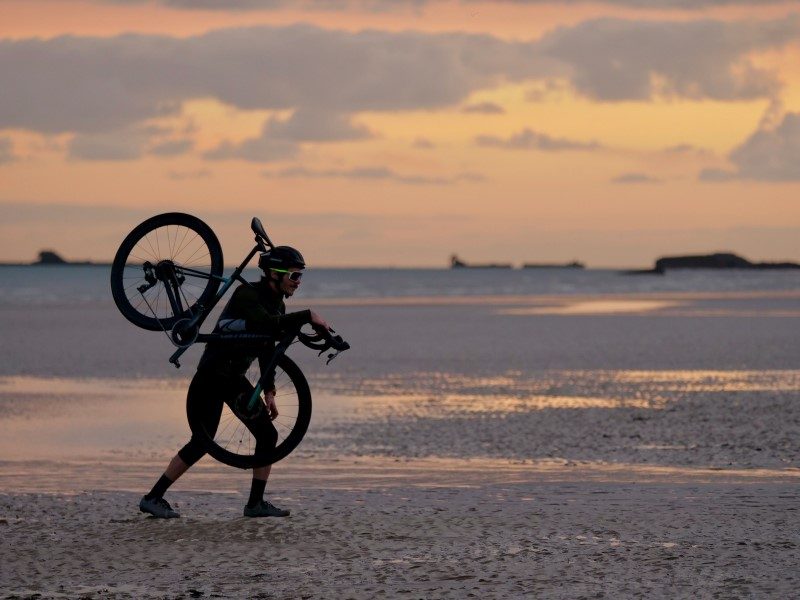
(393, 134)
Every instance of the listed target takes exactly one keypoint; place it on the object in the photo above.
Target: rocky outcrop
(721, 260)
(50, 257)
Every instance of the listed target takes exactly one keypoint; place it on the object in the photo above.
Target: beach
(420, 530)
(637, 443)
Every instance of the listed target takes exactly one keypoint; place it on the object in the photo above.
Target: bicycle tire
(233, 444)
(177, 238)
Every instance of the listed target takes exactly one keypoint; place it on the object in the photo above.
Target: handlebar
(319, 341)
(322, 340)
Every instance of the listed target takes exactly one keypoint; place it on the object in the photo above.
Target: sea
(73, 285)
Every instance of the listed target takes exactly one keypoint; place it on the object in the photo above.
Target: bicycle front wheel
(232, 443)
(164, 268)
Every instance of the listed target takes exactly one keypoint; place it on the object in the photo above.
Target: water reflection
(593, 307)
(707, 418)
(66, 418)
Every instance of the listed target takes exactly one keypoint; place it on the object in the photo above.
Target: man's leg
(153, 502)
(266, 437)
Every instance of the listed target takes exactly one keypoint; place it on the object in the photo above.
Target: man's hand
(318, 322)
(272, 408)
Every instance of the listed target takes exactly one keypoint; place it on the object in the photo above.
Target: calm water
(70, 286)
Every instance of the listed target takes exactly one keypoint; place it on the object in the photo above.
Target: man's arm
(258, 320)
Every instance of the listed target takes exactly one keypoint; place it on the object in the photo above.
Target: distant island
(457, 263)
(52, 258)
(570, 265)
(719, 260)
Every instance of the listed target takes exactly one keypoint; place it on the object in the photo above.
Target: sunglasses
(295, 276)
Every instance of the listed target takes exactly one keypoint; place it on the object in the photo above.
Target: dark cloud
(613, 59)
(93, 85)
(315, 126)
(770, 154)
(96, 84)
(528, 139)
(6, 151)
(635, 178)
(484, 108)
(370, 173)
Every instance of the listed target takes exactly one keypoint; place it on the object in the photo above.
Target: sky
(399, 132)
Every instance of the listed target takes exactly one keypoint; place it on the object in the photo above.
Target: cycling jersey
(253, 308)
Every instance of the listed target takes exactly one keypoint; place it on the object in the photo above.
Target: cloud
(370, 174)
(769, 154)
(717, 175)
(94, 85)
(280, 138)
(112, 146)
(614, 60)
(528, 139)
(315, 126)
(257, 149)
(171, 147)
(423, 143)
(484, 108)
(91, 84)
(126, 144)
(184, 175)
(394, 5)
(655, 4)
(687, 149)
(6, 151)
(325, 5)
(635, 178)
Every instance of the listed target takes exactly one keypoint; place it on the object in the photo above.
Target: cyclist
(255, 307)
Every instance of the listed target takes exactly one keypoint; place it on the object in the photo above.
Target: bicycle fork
(268, 372)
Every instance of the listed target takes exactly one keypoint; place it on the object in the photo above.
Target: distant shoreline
(64, 264)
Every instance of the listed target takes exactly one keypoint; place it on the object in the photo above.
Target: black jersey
(253, 308)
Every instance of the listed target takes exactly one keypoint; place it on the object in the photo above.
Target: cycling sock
(159, 488)
(256, 492)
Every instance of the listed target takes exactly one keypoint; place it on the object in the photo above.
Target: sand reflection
(62, 418)
(593, 307)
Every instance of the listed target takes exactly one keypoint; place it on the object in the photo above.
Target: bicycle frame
(194, 323)
(191, 326)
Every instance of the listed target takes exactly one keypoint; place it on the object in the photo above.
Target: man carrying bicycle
(256, 307)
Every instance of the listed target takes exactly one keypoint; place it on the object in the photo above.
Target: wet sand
(418, 529)
(626, 484)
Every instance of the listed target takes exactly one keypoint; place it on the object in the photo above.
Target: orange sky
(500, 131)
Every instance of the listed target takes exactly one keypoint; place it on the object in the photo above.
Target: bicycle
(167, 275)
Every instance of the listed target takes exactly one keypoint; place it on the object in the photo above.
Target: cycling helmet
(281, 257)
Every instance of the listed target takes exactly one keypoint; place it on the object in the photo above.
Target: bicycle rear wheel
(233, 444)
(164, 268)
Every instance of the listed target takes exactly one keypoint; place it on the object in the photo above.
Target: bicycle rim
(172, 253)
(233, 444)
